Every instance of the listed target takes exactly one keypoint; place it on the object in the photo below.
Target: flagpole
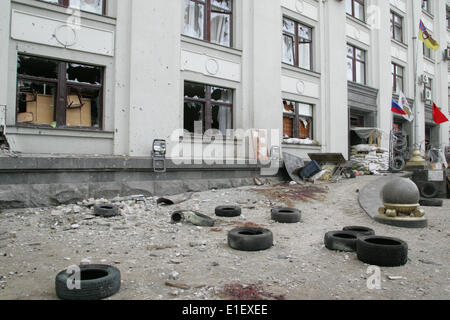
(416, 109)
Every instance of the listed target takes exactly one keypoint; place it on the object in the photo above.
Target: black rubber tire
(228, 211)
(250, 239)
(341, 240)
(106, 210)
(428, 190)
(105, 284)
(398, 163)
(382, 251)
(363, 231)
(401, 141)
(286, 215)
(400, 148)
(431, 202)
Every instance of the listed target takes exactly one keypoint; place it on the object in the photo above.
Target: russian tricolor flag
(397, 109)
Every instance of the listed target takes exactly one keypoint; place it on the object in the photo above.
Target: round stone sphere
(401, 191)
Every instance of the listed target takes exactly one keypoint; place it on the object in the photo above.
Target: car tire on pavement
(96, 282)
(228, 211)
(382, 251)
(364, 231)
(286, 215)
(341, 240)
(250, 239)
(431, 202)
(106, 210)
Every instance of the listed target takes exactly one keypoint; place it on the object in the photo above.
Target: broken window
(93, 6)
(209, 20)
(297, 44)
(207, 107)
(58, 94)
(297, 120)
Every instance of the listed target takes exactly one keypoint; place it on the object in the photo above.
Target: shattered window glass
(83, 106)
(220, 28)
(36, 102)
(94, 6)
(193, 112)
(288, 50)
(194, 19)
(194, 90)
(224, 5)
(288, 26)
(37, 67)
(221, 118)
(83, 74)
(221, 95)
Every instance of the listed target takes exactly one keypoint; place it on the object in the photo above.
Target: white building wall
(150, 59)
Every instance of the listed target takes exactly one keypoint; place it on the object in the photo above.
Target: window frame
(426, 6)
(393, 25)
(66, 4)
(395, 76)
(296, 119)
(354, 60)
(207, 103)
(363, 4)
(296, 38)
(208, 9)
(61, 94)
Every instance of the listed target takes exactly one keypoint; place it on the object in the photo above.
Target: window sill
(63, 132)
(197, 138)
(210, 45)
(302, 145)
(401, 44)
(431, 60)
(360, 22)
(61, 9)
(429, 14)
(300, 70)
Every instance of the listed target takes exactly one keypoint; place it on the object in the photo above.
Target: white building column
(335, 101)
(381, 44)
(441, 69)
(263, 54)
(154, 79)
(5, 10)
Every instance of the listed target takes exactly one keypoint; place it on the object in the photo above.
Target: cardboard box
(25, 117)
(79, 116)
(42, 108)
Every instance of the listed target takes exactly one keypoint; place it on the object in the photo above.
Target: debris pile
(369, 159)
(236, 291)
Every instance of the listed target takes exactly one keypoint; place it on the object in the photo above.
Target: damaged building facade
(111, 78)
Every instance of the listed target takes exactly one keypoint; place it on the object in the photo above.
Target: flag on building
(438, 116)
(426, 38)
(397, 109)
(404, 105)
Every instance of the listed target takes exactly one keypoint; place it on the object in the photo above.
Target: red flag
(438, 116)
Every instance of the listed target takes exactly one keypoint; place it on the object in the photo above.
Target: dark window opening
(59, 94)
(207, 107)
(396, 27)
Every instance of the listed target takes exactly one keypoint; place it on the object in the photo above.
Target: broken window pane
(288, 128)
(193, 112)
(350, 69)
(288, 107)
(94, 6)
(304, 128)
(221, 94)
(288, 50)
(36, 102)
(221, 118)
(83, 107)
(220, 28)
(37, 67)
(223, 5)
(288, 26)
(194, 19)
(83, 74)
(194, 90)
